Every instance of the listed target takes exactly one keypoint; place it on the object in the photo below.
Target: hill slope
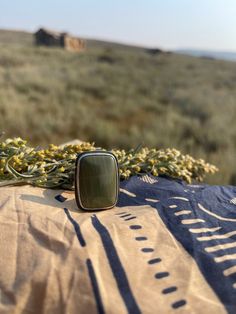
(119, 96)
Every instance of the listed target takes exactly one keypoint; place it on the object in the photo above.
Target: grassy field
(119, 96)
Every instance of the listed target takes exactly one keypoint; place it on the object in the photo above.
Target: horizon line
(125, 43)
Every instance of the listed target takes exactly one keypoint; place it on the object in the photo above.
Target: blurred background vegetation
(118, 97)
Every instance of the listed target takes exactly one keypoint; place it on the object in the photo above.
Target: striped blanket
(167, 247)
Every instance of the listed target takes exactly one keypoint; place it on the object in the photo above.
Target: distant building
(50, 38)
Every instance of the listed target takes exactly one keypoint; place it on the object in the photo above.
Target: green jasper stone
(98, 176)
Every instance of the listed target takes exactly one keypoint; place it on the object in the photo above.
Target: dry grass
(119, 96)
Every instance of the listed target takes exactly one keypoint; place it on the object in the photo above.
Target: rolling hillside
(119, 96)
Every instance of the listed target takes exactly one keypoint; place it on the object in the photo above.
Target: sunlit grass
(119, 97)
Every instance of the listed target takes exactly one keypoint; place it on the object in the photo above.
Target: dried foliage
(54, 166)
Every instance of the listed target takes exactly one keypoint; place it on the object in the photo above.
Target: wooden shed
(50, 38)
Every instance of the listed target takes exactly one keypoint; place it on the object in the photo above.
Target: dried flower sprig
(54, 166)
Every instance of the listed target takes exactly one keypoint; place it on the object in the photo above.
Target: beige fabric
(44, 267)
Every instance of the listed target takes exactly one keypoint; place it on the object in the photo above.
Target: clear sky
(169, 24)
